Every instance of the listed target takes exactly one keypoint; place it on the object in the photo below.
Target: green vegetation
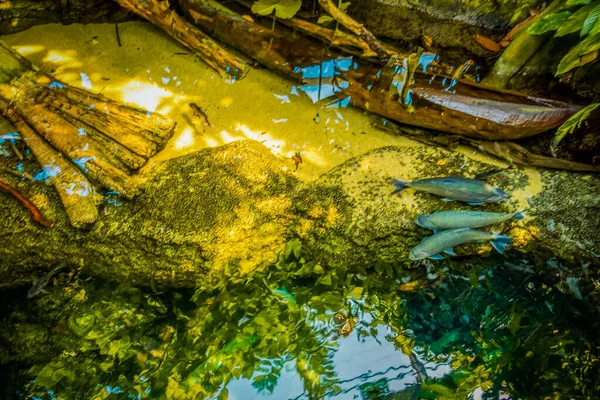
(574, 17)
(500, 327)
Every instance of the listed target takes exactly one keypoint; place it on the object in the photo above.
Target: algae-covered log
(76, 140)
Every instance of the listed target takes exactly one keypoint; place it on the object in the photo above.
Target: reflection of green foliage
(576, 16)
(501, 330)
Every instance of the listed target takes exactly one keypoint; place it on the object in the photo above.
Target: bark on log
(69, 183)
(160, 14)
(107, 143)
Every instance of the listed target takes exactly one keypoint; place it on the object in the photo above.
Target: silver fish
(455, 219)
(41, 283)
(444, 241)
(470, 191)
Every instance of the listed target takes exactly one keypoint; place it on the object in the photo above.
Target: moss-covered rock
(349, 216)
(233, 206)
(199, 213)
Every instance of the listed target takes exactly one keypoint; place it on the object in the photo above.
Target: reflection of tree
(500, 331)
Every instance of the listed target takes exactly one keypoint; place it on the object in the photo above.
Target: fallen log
(78, 135)
(510, 152)
(160, 14)
(69, 182)
(440, 102)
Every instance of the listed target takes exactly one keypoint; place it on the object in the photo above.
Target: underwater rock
(349, 216)
(198, 214)
(235, 206)
(449, 23)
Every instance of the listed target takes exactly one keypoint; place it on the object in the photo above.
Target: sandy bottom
(153, 72)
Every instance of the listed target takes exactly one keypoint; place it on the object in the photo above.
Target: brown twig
(36, 215)
(117, 34)
(356, 27)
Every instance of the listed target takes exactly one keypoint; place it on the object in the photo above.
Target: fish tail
(501, 243)
(519, 215)
(399, 185)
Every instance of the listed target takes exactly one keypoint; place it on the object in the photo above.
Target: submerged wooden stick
(159, 13)
(73, 188)
(356, 27)
(36, 215)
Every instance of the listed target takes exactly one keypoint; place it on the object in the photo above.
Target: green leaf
(575, 21)
(283, 8)
(585, 52)
(549, 23)
(325, 19)
(576, 2)
(574, 122)
(590, 21)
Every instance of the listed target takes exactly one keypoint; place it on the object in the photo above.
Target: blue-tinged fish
(41, 283)
(454, 219)
(444, 241)
(471, 191)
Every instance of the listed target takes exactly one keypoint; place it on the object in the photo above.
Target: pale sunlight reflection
(145, 95)
(28, 50)
(65, 59)
(185, 139)
(210, 142)
(261, 136)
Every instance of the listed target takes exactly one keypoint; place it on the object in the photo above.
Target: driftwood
(356, 27)
(160, 14)
(510, 152)
(439, 102)
(78, 135)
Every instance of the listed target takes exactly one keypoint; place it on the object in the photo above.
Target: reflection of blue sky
(48, 171)
(82, 161)
(80, 188)
(324, 73)
(356, 362)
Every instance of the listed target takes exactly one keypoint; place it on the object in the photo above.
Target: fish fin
(501, 243)
(519, 215)
(450, 252)
(424, 239)
(437, 231)
(436, 257)
(447, 199)
(476, 203)
(436, 211)
(399, 185)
